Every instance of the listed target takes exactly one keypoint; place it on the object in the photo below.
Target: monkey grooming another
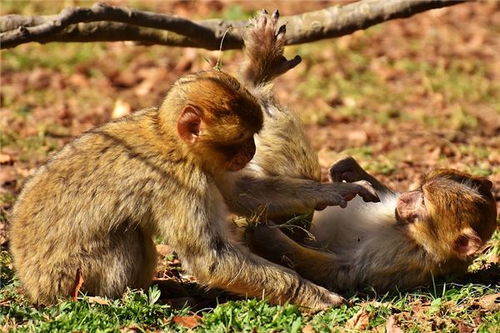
(402, 241)
(92, 210)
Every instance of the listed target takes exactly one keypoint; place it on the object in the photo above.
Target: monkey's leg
(126, 258)
(264, 44)
(237, 270)
(207, 251)
(347, 169)
(270, 243)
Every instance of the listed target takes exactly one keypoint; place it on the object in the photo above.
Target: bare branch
(107, 23)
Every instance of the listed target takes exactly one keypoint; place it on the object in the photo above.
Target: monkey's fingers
(347, 169)
(362, 188)
(366, 191)
(332, 197)
(328, 301)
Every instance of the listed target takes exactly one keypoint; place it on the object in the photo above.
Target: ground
(402, 97)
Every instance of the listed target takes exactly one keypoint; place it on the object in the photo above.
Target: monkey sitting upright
(399, 242)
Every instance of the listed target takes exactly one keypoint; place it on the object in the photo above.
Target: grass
(443, 306)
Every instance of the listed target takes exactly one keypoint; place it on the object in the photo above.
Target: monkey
(90, 213)
(403, 241)
(336, 259)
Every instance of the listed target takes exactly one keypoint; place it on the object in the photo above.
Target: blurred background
(402, 97)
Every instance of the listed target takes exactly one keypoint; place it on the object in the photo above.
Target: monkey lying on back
(365, 243)
(91, 212)
(400, 242)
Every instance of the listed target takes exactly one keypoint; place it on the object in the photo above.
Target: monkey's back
(99, 184)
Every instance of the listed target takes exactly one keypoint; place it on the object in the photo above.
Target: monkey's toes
(329, 300)
(276, 15)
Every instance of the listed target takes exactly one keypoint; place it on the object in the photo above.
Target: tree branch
(107, 23)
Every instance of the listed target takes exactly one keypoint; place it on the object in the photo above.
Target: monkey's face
(237, 156)
(452, 215)
(219, 122)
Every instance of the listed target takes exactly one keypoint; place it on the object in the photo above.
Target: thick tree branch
(107, 23)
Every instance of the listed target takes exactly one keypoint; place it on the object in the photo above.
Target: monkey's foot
(264, 44)
(314, 298)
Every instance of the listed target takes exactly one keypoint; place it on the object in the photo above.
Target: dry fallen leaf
(494, 259)
(308, 329)
(121, 109)
(391, 326)
(359, 321)
(6, 159)
(490, 302)
(98, 300)
(187, 321)
(130, 329)
(78, 284)
(464, 328)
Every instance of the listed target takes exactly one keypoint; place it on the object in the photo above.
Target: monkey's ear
(467, 243)
(189, 124)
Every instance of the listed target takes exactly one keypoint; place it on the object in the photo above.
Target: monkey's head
(452, 215)
(216, 119)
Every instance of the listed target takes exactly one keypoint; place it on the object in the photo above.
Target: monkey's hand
(268, 241)
(338, 193)
(347, 169)
(264, 44)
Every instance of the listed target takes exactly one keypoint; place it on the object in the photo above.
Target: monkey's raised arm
(280, 196)
(349, 170)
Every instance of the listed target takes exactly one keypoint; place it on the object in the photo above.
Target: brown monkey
(95, 206)
(93, 209)
(400, 242)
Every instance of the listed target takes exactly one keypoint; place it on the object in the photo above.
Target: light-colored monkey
(401, 241)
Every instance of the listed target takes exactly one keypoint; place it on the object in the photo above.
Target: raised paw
(347, 169)
(264, 44)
